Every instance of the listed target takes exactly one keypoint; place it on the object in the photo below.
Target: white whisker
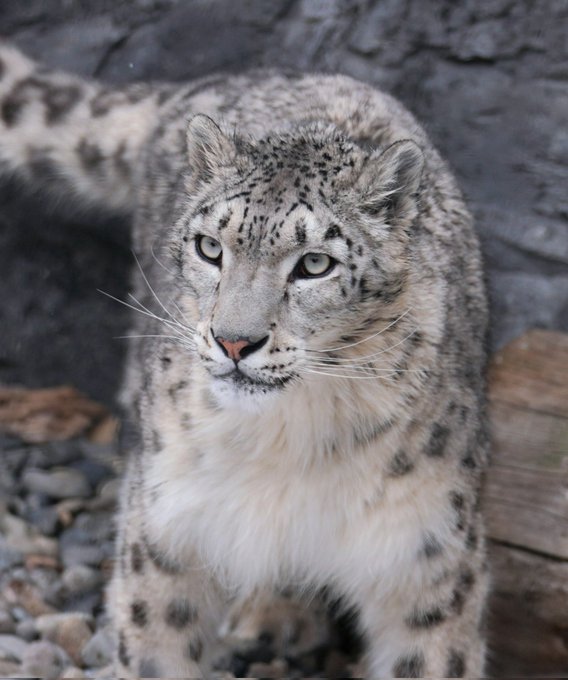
(189, 327)
(182, 333)
(363, 369)
(162, 265)
(173, 323)
(366, 358)
(136, 309)
(167, 337)
(370, 337)
(386, 378)
(182, 315)
(166, 310)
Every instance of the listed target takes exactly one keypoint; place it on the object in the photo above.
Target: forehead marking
(333, 231)
(224, 221)
(300, 228)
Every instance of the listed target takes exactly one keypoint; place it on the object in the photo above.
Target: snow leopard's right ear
(208, 147)
(390, 181)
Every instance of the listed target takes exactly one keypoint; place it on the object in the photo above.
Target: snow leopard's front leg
(165, 614)
(430, 624)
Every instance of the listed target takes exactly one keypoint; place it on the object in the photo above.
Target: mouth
(239, 379)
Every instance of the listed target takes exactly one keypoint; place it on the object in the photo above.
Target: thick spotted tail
(63, 132)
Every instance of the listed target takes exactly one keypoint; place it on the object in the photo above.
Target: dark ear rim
(208, 147)
(400, 167)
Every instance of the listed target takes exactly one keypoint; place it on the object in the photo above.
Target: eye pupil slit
(209, 249)
(314, 265)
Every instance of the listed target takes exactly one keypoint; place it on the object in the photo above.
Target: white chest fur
(264, 503)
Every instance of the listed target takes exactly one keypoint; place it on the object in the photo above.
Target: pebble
(86, 604)
(73, 672)
(7, 624)
(94, 471)
(98, 652)
(45, 519)
(59, 483)
(275, 669)
(42, 574)
(107, 495)
(12, 648)
(79, 579)
(19, 613)
(9, 557)
(91, 555)
(22, 537)
(26, 595)
(26, 629)
(9, 670)
(98, 525)
(53, 454)
(67, 509)
(70, 631)
(44, 659)
(49, 624)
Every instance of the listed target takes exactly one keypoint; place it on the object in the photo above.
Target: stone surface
(80, 579)
(19, 536)
(41, 596)
(12, 648)
(9, 669)
(44, 659)
(60, 484)
(9, 557)
(6, 622)
(73, 672)
(27, 630)
(488, 78)
(98, 652)
(70, 631)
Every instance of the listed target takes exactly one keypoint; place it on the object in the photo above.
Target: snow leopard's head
(291, 247)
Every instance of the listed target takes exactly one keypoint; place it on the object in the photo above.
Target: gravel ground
(57, 505)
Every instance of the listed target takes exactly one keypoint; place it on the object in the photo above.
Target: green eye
(313, 265)
(209, 249)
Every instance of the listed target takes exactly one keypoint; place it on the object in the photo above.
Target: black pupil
(313, 260)
(211, 245)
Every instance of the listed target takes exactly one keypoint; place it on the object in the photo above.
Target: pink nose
(233, 349)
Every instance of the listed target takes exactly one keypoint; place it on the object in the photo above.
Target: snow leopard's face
(291, 247)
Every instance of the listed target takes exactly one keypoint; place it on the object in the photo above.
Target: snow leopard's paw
(285, 626)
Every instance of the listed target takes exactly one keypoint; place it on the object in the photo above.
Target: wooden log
(528, 615)
(526, 495)
(526, 506)
(53, 414)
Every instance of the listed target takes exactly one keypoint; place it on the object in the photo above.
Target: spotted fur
(346, 451)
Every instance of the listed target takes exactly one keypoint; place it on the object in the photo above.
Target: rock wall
(488, 78)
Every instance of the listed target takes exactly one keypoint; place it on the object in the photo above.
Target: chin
(245, 395)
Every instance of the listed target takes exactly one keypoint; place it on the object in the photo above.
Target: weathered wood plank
(532, 372)
(528, 615)
(53, 414)
(526, 505)
(526, 493)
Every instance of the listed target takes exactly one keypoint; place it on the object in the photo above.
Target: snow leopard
(306, 384)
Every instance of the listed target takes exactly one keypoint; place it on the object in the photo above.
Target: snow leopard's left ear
(209, 148)
(390, 181)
